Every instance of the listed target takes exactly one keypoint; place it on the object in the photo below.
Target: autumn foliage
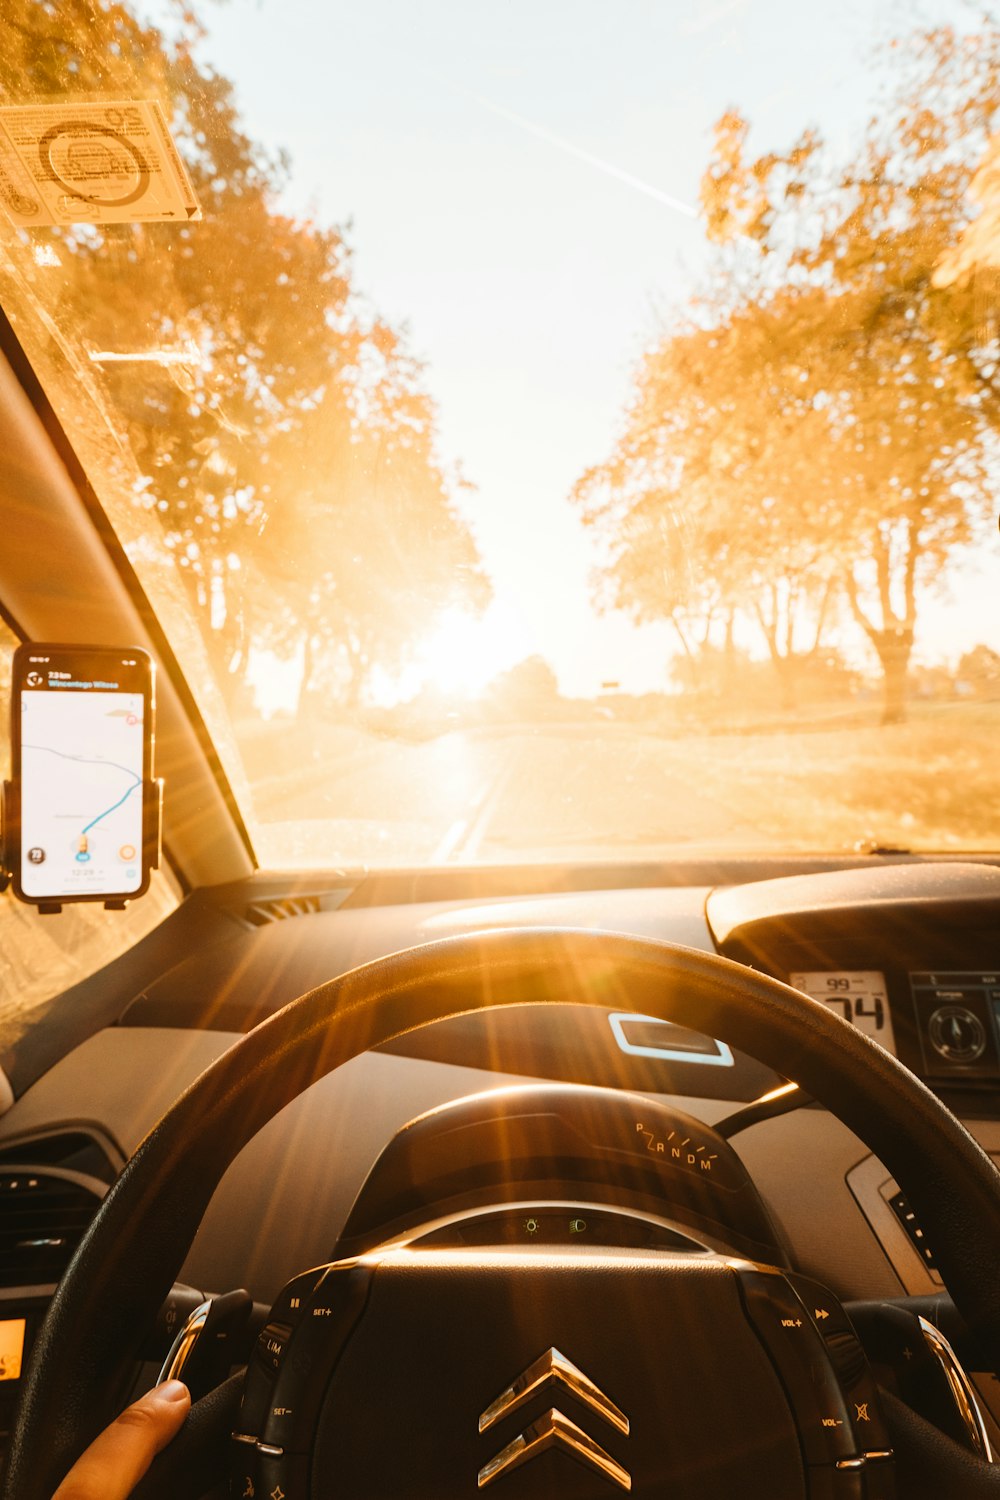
(813, 439)
(287, 469)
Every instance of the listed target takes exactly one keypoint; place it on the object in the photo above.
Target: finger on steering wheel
(115, 1462)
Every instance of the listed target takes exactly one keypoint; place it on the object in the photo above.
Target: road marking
(463, 837)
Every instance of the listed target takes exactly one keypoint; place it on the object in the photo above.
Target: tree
(700, 525)
(386, 550)
(979, 670)
(527, 690)
(909, 375)
(826, 398)
(257, 453)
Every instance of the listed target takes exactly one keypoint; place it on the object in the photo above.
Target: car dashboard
(909, 950)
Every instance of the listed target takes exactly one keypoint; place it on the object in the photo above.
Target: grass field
(930, 784)
(588, 790)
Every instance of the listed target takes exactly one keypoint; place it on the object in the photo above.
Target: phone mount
(152, 835)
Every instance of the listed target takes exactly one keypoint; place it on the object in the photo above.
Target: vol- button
(800, 1355)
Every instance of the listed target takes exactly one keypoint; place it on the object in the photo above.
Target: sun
(464, 652)
(457, 658)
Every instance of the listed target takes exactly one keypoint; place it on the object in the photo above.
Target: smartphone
(84, 807)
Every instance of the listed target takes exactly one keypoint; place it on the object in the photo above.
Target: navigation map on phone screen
(82, 742)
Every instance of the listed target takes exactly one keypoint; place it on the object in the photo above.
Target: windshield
(544, 431)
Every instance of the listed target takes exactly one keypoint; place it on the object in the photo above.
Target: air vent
(43, 1216)
(78, 1151)
(263, 912)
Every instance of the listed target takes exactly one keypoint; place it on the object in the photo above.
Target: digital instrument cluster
(958, 1019)
(858, 996)
(949, 1028)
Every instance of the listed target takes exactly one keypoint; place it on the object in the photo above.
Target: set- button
(286, 1381)
(325, 1320)
(269, 1354)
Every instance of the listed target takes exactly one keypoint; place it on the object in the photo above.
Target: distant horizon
(276, 692)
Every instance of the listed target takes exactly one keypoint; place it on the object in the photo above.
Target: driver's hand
(115, 1462)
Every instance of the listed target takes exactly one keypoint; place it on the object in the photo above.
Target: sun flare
(464, 652)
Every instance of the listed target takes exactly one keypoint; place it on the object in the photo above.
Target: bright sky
(519, 180)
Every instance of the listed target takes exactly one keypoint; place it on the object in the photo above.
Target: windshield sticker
(107, 163)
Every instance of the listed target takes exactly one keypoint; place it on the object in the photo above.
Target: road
(563, 792)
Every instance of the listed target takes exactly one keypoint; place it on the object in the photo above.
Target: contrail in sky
(581, 155)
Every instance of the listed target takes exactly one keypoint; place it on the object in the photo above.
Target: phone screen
(82, 758)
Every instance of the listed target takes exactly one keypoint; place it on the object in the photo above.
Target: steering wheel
(134, 1249)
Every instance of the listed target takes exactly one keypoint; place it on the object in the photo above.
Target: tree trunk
(893, 642)
(894, 648)
(779, 661)
(358, 661)
(308, 667)
(729, 670)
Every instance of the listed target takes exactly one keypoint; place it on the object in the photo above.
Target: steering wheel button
(799, 1352)
(271, 1345)
(294, 1295)
(244, 1481)
(823, 1307)
(849, 1360)
(325, 1322)
(284, 1478)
